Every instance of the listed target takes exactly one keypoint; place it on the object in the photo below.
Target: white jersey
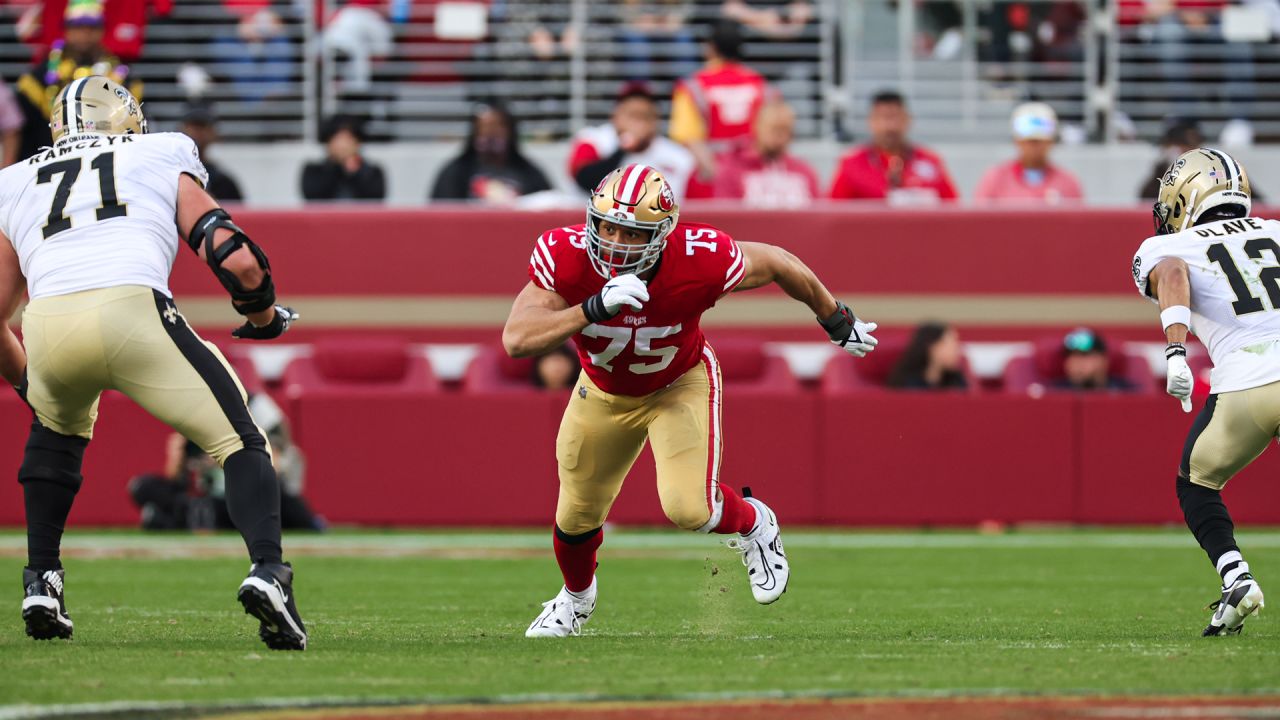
(1234, 267)
(97, 211)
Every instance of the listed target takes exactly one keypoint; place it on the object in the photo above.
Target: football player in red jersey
(630, 287)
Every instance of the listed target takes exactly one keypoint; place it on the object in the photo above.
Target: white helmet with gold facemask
(96, 104)
(636, 197)
(1201, 184)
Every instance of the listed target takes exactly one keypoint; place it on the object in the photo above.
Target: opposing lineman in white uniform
(87, 228)
(1215, 271)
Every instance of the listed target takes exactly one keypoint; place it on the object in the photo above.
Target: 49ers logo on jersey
(666, 198)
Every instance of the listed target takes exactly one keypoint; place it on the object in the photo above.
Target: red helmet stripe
(631, 189)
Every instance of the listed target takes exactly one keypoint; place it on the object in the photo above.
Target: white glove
(848, 332)
(627, 290)
(1180, 380)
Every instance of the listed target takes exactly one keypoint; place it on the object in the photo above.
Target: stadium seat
(379, 365)
(1043, 367)
(745, 365)
(492, 370)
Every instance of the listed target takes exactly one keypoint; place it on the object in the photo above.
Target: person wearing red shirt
(630, 137)
(715, 108)
(124, 23)
(891, 168)
(629, 287)
(764, 174)
(1030, 178)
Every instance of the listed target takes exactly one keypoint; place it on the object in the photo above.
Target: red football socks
(739, 516)
(576, 555)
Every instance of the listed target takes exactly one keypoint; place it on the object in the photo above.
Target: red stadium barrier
(870, 457)
(421, 454)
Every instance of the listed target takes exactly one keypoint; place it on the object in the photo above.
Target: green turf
(1008, 613)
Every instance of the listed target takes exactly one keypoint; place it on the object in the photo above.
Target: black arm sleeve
(590, 175)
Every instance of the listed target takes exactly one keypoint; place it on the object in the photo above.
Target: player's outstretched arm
(13, 359)
(1170, 284)
(767, 264)
(243, 271)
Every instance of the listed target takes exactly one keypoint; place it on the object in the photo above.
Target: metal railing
(415, 69)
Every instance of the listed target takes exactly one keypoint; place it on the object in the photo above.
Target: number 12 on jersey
(105, 165)
(1245, 302)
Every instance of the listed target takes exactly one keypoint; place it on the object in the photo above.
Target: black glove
(283, 318)
(849, 333)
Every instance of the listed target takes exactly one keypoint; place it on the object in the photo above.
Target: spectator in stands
(491, 167)
(656, 28)
(124, 25)
(716, 106)
(774, 19)
(764, 174)
(546, 25)
(80, 52)
(630, 136)
(11, 122)
(1086, 365)
(890, 167)
(1179, 31)
(358, 33)
(189, 494)
(201, 125)
(257, 55)
(1180, 135)
(557, 370)
(1030, 177)
(344, 174)
(933, 360)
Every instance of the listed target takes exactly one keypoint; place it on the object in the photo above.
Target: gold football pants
(601, 436)
(1230, 432)
(132, 339)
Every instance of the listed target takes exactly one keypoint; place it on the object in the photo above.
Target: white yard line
(92, 543)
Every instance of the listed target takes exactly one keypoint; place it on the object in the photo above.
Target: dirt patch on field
(1070, 708)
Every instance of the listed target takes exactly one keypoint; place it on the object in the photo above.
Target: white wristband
(1178, 314)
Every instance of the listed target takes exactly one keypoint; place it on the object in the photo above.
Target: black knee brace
(53, 457)
(1207, 518)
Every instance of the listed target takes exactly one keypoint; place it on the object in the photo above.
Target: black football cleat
(267, 594)
(44, 607)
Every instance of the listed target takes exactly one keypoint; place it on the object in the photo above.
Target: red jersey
(728, 97)
(637, 352)
(866, 172)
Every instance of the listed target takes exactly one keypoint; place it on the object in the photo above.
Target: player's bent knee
(52, 457)
(687, 515)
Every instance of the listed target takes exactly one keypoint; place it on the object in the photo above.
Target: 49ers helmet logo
(666, 198)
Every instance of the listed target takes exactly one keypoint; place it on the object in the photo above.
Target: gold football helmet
(1198, 181)
(96, 104)
(637, 197)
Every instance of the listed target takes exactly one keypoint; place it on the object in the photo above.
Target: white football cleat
(564, 614)
(1238, 602)
(767, 568)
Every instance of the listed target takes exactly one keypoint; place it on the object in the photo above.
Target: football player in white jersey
(1215, 271)
(87, 229)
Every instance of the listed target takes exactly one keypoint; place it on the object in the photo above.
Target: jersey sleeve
(187, 158)
(1149, 254)
(721, 264)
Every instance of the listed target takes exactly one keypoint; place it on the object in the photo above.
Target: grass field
(434, 616)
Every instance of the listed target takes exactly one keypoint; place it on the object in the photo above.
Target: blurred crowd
(725, 131)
